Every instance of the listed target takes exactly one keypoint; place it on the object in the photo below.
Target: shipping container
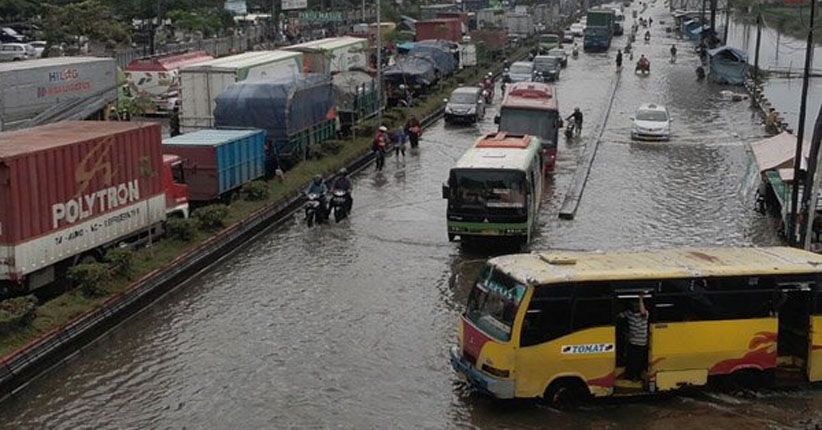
(35, 92)
(439, 29)
(217, 162)
(70, 188)
(493, 40)
(202, 83)
(333, 55)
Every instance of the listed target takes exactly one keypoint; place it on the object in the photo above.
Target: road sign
(294, 4)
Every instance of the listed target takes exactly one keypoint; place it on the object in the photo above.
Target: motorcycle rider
(647, 35)
(673, 53)
(342, 183)
(318, 187)
(643, 63)
(488, 85)
(577, 117)
(619, 60)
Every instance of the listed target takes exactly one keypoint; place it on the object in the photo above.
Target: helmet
(490, 74)
(576, 109)
(343, 171)
(383, 128)
(317, 179)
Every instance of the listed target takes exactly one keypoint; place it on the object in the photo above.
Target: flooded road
(348, 325)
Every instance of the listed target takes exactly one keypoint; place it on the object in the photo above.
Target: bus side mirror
(446, 191)
(496, 119)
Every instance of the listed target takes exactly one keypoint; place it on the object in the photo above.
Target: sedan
(561, 54)
(651, 122)
(578, 29)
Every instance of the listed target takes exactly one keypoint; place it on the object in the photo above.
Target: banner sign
(294, 4)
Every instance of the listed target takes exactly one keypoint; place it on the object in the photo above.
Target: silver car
(465, 105)
(16, 52)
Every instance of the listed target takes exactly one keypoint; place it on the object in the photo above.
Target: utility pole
(727, 21)
(811, 186)
(379, 63)
(803, 106)
(702, 17)
(756, 58)
(713, 17)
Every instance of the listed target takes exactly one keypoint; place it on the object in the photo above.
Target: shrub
(16, 312)
(121, 262)
(256, 191)
(181, 229)
(90, 278)
(212, 217)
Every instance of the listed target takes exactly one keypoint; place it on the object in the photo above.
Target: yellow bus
(547, 324)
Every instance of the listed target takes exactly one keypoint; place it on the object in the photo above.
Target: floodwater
(348, 325)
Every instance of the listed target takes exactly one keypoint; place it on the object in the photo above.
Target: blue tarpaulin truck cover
(443, 60)
(411, 71)
(280, 107)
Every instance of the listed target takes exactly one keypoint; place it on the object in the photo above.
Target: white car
(651, 122)
(16, 52)
(577, 29)
(39, 46)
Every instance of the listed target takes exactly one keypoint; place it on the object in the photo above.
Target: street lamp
(379, 63)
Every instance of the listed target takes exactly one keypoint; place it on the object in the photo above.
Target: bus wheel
(566, 394)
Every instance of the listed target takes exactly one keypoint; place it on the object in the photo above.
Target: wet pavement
(348, 325)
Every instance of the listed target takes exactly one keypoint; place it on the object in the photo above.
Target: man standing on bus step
(637, 318)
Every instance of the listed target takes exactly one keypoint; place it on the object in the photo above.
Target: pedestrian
(174, 122)
(413, 129)
(399, 144)
(650, 21)
(379, 146)
(577, 117)
(619, 60)
(637, 318)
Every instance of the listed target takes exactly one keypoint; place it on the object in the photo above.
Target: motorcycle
(647, 36)
(340, 204)
(643, 67)
(570, 128)
(315, 210)
(575, 52)
(700, 73)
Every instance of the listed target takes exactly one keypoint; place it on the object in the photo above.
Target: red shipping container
(441, 29)
(462, 16)
(70, 187)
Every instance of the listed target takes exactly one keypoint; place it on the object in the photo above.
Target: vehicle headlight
(472, 109)
(447, 109)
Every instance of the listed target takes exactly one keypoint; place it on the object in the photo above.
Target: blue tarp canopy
(410, 70)
(281, 106)
(443, 61)
(728, 65)
(403, 48)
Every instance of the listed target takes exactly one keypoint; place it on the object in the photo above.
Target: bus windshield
(540, 123)
(493, 303)
(488, 189)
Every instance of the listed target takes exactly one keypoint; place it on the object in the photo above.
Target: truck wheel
(566, 394)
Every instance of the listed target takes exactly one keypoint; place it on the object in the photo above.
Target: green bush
(121, 262)
(90, 278)
(181, 229)
(212, 217)
(256, 191)
(16, 312)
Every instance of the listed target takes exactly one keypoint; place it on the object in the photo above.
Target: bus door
(793, 308)
(628, 300)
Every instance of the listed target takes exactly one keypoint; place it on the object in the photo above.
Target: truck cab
(175, 187)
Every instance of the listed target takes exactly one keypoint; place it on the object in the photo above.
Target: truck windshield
(493, 303)
(482, 190)
(540, 123)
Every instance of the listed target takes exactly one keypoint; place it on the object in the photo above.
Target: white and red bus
(532, 108)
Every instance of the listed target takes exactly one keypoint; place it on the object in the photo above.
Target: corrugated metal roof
(554, 267)
(49, 62)
(777, 152)
(35, 139)
(240, 61)
(210, 137)
(326, 44)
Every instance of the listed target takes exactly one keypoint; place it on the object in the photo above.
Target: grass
(60, 310)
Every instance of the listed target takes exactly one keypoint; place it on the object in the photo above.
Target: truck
(492, 40)
(519, 24)
(295, 113)
(599, 30)
(216, 163)
(158, 78)
(71, 190)
(439, 29)
(47, 90)
(333, 55)
(532, 108)
(203, 82)
(490, 18)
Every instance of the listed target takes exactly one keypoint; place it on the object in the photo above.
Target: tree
(75, 23)
(18, 9)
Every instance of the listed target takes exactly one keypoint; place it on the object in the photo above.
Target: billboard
(294, 4)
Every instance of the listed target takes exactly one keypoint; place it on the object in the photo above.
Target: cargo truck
(521, 25)
(47, 90)
(202, 83)
(439, 29)
(70, 190)
(217, 163)
(333, 55)
(599, 30)
(158, 78)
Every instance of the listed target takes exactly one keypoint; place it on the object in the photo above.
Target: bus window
(493, 303)
(548, 316)
(540, 123)
(714, 299)
(487, 189)
(593, 306)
